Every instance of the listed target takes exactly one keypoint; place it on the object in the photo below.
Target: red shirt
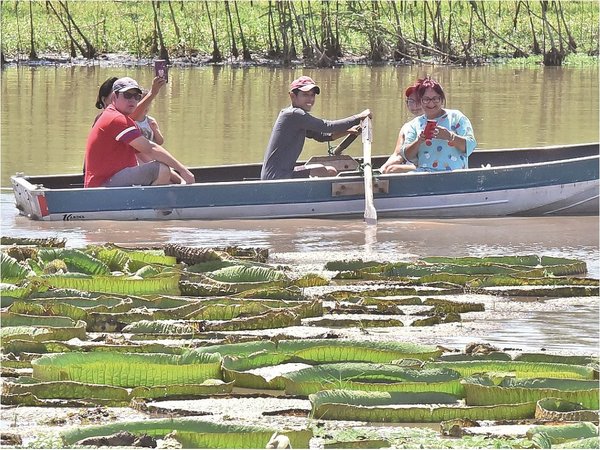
(108, 151)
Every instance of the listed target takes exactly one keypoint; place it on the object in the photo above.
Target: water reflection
(222, 115)
(324, 240)
(219, 115)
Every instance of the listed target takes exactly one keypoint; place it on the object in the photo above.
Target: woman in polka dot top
(452, 139)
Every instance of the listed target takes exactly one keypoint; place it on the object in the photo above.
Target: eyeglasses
(130, 95)
(411, 102)
(435, 99)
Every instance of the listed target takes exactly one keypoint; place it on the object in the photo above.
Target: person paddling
(293, 125)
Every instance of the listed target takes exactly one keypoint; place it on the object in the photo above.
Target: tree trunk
(434, 28)
(554, 57)
(424, 42)
(414, 32)
(32, 53)
(515, 18)
(313, 28)
(72, 40)
(536, 45)
(289, 24)
(493, 32)
(216, 53)
(326, 31)
(274, 50)
(448, 39)
(177, 32)
(73, 52)
(374, 37)
(90, 50)
(18, 30)
(163, 53)
(572, 43)
(286, 57)
(234, 49)
(307, 50)
(245, 50)
(338, 46)
(400, 48)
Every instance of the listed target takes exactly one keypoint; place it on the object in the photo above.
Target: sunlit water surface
(223, 115)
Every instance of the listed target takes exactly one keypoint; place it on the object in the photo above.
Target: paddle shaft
(367, 136)
(344, 144)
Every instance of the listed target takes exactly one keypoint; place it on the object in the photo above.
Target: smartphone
(428, 131)
(161, 69)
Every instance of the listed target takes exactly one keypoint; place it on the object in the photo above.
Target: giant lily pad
(371, 377)
(521, 369)
(128, 370)
(194, 433)
(407, 407)
(482, 391)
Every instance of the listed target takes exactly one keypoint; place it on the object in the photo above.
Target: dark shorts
(143, 175)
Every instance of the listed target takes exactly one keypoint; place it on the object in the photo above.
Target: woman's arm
(140, 110)
(463, 139)
(396, 157)
(154, 151)
(158, 137)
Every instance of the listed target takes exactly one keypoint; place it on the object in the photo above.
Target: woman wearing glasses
(114, 141)
(451, 140)
(396, 162)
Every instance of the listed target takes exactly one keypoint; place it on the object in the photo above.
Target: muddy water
(219, 115)
(564, 325)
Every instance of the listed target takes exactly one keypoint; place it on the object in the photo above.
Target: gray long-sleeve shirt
(292, 126)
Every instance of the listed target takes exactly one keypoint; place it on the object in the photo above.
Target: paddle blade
(370, 211)
(367, 135)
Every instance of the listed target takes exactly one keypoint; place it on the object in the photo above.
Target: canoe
(556, 180)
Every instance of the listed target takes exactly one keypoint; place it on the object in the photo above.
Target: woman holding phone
(441, 139)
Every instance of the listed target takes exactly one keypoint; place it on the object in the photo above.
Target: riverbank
(127, 60)
(325, 33)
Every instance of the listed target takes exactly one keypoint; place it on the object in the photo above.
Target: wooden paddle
(343, 145)
(367, 137)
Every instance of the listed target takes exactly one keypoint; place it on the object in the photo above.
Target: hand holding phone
(429, 128)
(161, 70)
(428, 131)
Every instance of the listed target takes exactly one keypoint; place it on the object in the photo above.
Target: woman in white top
(147, 124)
(396, 162)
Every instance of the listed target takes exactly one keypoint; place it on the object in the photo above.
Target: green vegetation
(318, 32)
(154, 341)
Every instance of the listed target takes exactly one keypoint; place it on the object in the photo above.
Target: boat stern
(30, 199)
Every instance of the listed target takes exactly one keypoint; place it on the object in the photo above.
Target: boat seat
(340, 162)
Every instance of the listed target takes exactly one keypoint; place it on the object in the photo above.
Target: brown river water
(223, 115)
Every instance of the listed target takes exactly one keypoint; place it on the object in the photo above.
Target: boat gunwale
(28, 181)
